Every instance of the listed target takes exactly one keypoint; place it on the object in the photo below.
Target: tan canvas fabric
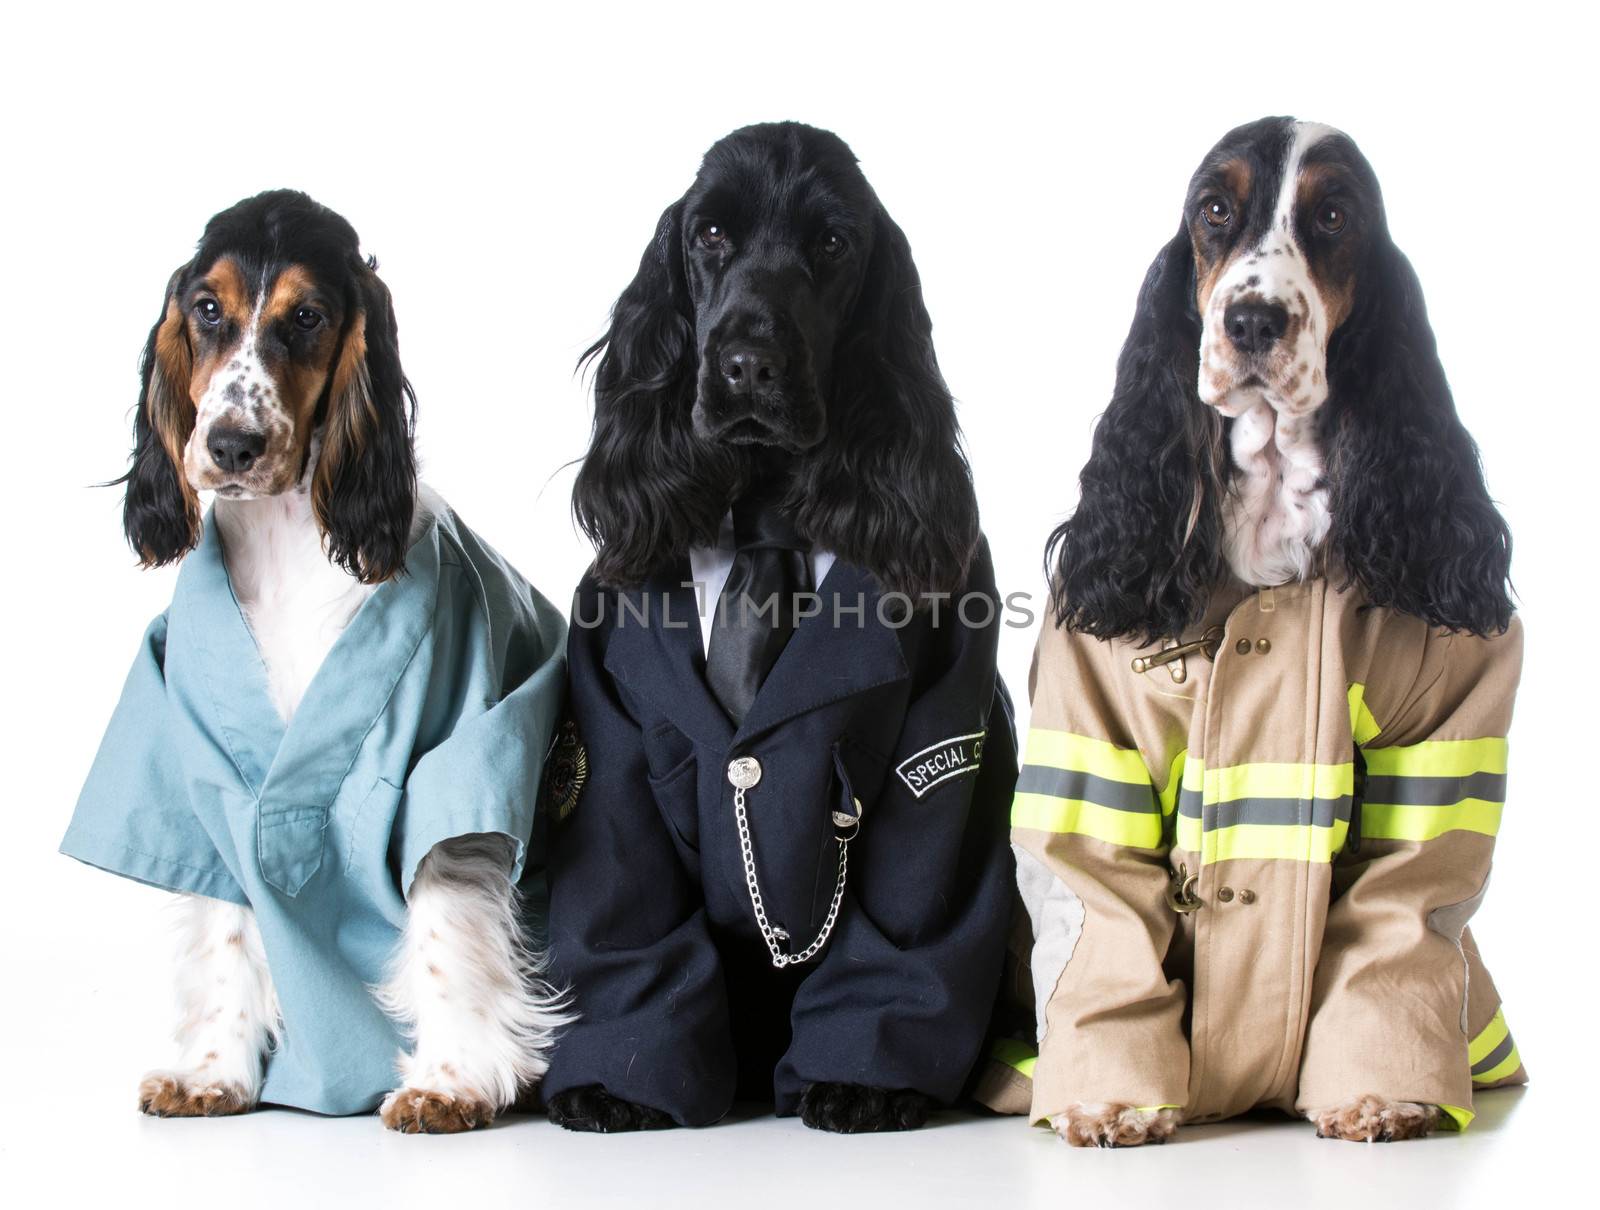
(1332, 781)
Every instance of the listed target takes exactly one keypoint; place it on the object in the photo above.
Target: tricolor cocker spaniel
(330, 743)
(1281, 455)
(1280, 400)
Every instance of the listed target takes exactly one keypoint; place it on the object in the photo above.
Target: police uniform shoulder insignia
(938, 763)
(566, 768)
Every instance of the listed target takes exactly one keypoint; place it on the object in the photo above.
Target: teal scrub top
(429, 719)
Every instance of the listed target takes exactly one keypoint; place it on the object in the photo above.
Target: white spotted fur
(241, 394)
(483, 1024)
(465, 986)
(1278, 515)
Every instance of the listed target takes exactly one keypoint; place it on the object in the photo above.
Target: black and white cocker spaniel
(1279, 401)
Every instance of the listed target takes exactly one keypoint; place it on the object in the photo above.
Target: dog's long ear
(364, 489)
(890, 489)
(160, 511)
(1141, 553)
(641, 494)
(1412, 520)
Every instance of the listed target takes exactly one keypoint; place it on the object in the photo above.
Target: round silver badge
(744, 772)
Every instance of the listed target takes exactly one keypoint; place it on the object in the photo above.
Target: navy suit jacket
(680, 1008)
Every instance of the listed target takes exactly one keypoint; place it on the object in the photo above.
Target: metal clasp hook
(1180, 892)
(1172, 656)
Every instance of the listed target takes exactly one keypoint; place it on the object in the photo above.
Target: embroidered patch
(566, 768)
(938, 763)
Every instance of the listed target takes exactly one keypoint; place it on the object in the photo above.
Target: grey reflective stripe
(1086, 787)
(1301, 812)
(1495, 1057)
(1435, 791)
(1315, 812)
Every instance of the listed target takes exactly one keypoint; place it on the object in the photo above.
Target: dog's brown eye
(711, 235)
(209, 312)
(1331, 218)
(307, 320)
(1216, 210)
(832, 244)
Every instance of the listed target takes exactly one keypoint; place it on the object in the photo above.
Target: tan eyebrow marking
(292, 285)
(226, 281)
(1236, 176)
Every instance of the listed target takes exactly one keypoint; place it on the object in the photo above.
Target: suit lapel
(663, 658)
(830, 658)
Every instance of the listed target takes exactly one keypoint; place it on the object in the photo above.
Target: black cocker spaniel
(777, 312)
(774, 345)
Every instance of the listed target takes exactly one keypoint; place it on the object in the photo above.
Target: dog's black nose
(752, 369)
(1254, 327)
(235, 450)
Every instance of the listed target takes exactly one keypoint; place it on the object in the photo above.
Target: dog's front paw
(164, 1094)
(862, 1109)
(420, 1111)
(594, 1110)
(1371, 1119)
(1115, 1125)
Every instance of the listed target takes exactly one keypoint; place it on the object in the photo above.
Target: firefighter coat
(1249, 873)
(894, 737)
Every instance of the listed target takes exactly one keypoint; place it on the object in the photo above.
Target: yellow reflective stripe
(1269, 842)
(1017, 1055)
(1169, 796)
(1190, 835)
(1265, 783)
(1401, 821)
(1500, 1070)
(1459, 1117)
(1278, 781)
(1493, 1034)
(1064, 750)
(1046, 813)
(1363, 727)
(1439, 758)
(1154, 1108)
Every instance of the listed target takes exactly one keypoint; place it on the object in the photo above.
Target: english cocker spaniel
(331, 741)
(787, 875)
(1267, 759)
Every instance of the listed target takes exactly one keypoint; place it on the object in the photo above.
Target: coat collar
(664, 660)
(304, 763)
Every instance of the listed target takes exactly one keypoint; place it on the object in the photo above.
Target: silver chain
(768, 933)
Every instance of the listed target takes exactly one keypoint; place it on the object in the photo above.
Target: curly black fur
(592, 1110)
(860, 1109)
(1144, 549)
(160, 514)
(364, 489)
(1413, 524)
(1413, 521)
(887, 487)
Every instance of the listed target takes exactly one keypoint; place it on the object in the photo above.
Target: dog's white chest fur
(296, 602)
(1277, 514)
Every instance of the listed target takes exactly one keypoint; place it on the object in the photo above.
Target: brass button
(1247, 896)
(1263, 645)
(1242, 647)
(1224, 894)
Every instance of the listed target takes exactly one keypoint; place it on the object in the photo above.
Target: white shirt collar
(710, 565)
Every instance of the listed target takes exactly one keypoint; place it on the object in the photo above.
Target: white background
(508, 170)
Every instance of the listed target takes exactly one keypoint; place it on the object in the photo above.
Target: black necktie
(755, 614)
